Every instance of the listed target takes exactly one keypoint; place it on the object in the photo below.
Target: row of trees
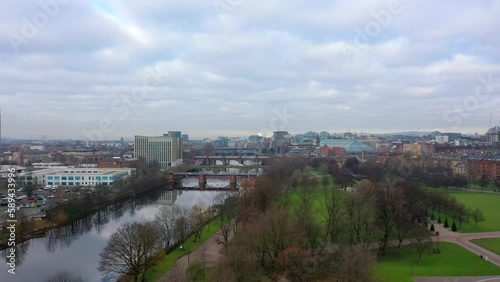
(135, 246)
(442, 203)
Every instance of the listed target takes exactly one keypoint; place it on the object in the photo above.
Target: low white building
(77, 176)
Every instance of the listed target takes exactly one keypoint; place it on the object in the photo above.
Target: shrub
(432, 228)
(454, 227)
(446, 225)
(439, 219)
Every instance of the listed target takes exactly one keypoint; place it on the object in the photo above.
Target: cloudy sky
(107, 68)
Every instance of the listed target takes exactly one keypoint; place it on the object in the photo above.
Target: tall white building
(166, 149)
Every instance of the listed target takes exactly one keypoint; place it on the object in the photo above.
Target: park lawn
(453, 261)
(492, 245)
(155, 272)
(488, 203)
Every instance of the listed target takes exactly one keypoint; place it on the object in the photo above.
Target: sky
(104, 69)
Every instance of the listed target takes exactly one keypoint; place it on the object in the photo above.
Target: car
(51, 196)
(32, 205)
(55, 186)
(67, 190)
(38, 205)
(21, 189)
(44, 202)
(40, 197)
(22, 197)
(31, 198)
(47, 187)
(40, 190)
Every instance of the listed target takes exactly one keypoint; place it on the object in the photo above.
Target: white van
(48, 187)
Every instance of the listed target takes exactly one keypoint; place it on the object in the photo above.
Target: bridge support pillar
(232, 182)
(170, 178)
(202, 181)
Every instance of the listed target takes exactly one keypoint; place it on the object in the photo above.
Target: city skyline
(79, 69)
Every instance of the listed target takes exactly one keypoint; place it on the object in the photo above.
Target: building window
(64, 178)
(50, 177)
(57, 178)
(70, 183)
(71, 178)
(77, 177)
(104, 178)
(63, 184)
(97, 178)
(49, 183)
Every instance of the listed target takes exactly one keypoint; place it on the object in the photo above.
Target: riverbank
(169, 262)
(61, 215)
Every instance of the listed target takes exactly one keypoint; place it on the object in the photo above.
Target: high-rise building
(185, 138)
(166, 149)
(278, 141)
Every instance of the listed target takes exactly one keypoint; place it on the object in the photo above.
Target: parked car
(32, 205)
(44, 202)
(40, 197)
(51, 196)
(48, 187)
(21, 189)
(67, 190)
(31, 198)
(22, 197)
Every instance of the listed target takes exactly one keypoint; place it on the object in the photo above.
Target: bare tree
(165, 220)
(182, 224)
(64, 276)
(421, 240)
(208, 149)
(228, 216)
(131, 249)
(477, 216)
(198, 219)
(333, 218)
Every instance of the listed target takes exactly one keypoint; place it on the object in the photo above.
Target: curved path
(464, 240)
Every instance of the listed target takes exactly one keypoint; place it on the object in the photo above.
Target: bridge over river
(210, 181)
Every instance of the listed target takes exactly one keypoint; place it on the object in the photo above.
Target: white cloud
(227, 74)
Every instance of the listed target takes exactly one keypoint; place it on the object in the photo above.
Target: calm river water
(76, 247)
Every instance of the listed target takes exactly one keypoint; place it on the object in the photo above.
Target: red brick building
(488, 166)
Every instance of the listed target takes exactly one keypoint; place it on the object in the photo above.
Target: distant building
(185, 138)
(413, 149)
(484, 166)
(493, 135)
(442, 139)
(166, 149)
(70, 176)
(279, 139)
(350, 146)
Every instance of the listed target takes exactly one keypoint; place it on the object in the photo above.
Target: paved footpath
(464, 240)
(209, 252)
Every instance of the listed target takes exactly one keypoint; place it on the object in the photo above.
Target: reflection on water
(76, 246)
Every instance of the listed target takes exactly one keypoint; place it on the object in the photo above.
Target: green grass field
(168, 263)
(488, 203)
(453, 261)
(489, 244)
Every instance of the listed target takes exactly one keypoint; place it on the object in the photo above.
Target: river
(76, 247)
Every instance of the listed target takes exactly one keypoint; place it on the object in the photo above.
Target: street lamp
(187, 250)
